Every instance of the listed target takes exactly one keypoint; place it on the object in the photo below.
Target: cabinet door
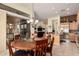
(24, 29)
(73, 26)
(71, 36)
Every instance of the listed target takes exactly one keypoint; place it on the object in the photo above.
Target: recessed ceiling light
(53, 8)
(67, 9)
(56, 11)
(67, 12)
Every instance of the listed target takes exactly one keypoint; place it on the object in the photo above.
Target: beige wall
(2, 32)
(50, 25)
(21, 7)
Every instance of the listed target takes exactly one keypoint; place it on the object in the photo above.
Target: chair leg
(51, 53)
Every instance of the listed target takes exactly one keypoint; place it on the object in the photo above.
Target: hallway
(66, 49)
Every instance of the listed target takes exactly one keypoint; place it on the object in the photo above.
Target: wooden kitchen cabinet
(56, 39)
(73, 26)
(72, 36)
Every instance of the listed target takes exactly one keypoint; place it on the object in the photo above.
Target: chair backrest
(40, 34)
(17, 37)
(41, 46)
(51, 44)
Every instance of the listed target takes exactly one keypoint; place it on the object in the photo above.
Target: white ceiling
(47, 10)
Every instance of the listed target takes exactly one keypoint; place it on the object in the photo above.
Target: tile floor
(66, 49)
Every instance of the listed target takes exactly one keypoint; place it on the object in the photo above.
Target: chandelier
(33, 19)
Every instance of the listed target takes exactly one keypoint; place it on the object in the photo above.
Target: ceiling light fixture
(36, 21)
(53, 8)
(67, 12)
(67, 9)
(31, 20)
(56, 11)
(28, 21)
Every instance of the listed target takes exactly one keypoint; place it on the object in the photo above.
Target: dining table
(23, 45)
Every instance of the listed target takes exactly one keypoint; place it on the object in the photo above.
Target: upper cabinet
(73, 26)
(70, 18)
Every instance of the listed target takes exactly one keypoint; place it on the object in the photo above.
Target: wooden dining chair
(41, 46)
(50, 47)
(17, 37)
(9, 48)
